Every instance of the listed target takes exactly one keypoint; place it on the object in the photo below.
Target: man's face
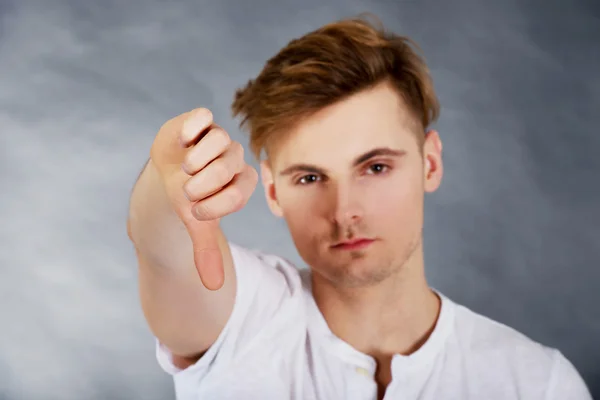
(350, 182)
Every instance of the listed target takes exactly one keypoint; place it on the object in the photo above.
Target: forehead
(343, 131)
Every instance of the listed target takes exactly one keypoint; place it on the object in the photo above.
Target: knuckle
(236, 197)
(239, 149)
(188, 162)
(222, 173)
(202, 212)
(254, 175)
(222, 136)
(203, 113)
(194, 123)
(189, 190)
(238, 156)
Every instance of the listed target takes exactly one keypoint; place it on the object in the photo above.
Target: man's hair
(326, 66)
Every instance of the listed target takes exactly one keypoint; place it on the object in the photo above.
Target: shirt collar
(317, 325)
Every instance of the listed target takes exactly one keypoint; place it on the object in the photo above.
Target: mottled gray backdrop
(514, 231)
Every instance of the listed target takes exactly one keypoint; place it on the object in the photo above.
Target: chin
(356, 271)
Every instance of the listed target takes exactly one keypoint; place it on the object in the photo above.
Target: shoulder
(265, 278)
(529, 363)
(484, 335)
(269, 295)
(243, 255)
(254, 264)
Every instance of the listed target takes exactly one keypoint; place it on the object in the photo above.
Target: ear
(432, 161)
(266, 175)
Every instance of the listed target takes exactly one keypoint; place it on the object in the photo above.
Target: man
(341, 116)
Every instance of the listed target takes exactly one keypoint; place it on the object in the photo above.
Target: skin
(352, 171)
(355, 170)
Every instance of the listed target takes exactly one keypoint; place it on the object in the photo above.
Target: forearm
(157, 232)
(180, 311)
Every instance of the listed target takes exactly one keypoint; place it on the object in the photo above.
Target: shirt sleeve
(565, 381)
(268, 291)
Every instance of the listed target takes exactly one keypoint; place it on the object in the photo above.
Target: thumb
(207, 253)
(204, 234)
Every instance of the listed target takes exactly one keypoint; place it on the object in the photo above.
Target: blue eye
(307, 179)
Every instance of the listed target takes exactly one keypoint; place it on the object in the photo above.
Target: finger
(230, 199)
(207, 254)
(215, 175)
(212, 145)
(196, 123)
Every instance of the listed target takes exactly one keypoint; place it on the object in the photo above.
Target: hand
(205, 178)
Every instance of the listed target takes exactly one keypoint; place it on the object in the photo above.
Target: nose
(347, 208)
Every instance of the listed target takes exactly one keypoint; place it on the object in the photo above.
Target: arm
(170, 245)
(565, 381)
(183, 314)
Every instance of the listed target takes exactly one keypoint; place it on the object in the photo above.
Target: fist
(203, 169)
(220, 181)
(205, 178)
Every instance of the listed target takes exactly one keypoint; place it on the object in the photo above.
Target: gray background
(514, 231)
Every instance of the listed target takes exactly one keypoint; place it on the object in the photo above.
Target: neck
(396, 316)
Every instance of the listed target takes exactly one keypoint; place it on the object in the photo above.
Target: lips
(354, 244)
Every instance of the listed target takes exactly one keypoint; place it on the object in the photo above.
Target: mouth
(355, 244)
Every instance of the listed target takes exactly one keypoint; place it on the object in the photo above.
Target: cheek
(302, 217)
(395, 203)
(301, 206)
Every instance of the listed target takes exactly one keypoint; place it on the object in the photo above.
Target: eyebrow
(378, 152)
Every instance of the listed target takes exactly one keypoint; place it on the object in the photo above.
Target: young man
(342, 116)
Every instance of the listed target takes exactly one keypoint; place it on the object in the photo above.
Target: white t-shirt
(277, 346)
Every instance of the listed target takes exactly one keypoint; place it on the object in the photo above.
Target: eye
(308, 179)
(377, 168)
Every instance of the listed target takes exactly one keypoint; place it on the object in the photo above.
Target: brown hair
(326, 66)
